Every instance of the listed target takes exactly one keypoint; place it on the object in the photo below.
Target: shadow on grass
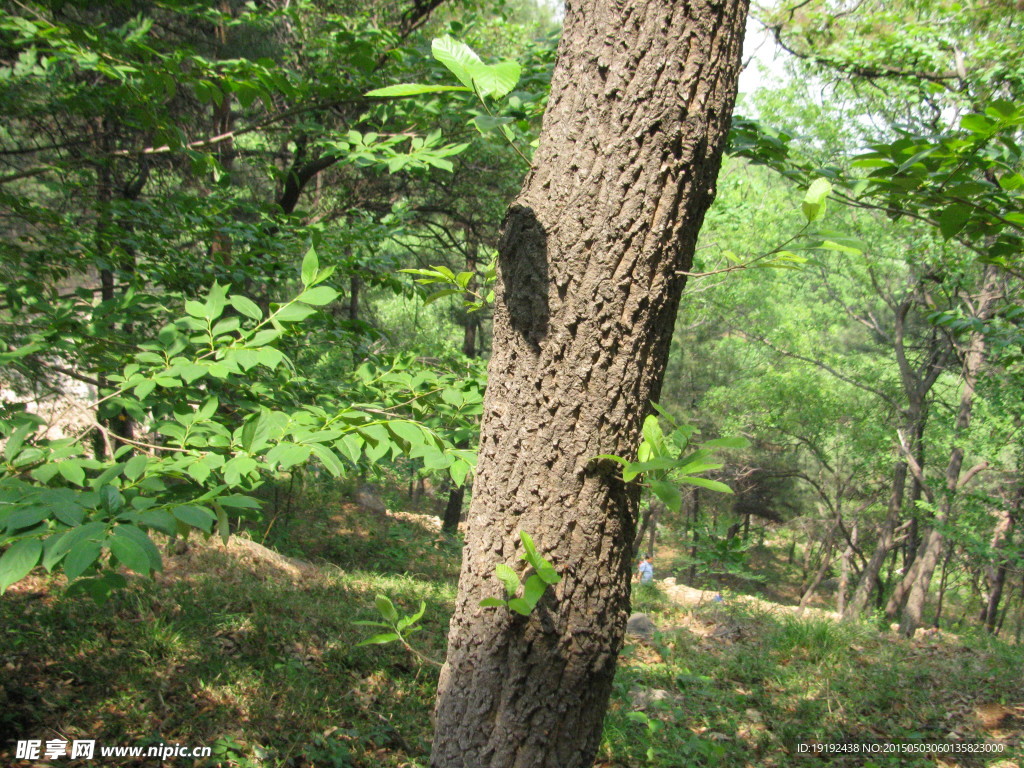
(224, 656)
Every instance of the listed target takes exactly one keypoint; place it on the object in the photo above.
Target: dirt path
(692, 598)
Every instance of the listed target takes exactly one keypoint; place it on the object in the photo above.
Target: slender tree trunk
(943, 583)
(645, 524)
(846, 565)
(917, 384)
(590, 275)
(826, 561)
(916, 490)
(695, 535)
(453, 509)
(995, 574)
(354, 284)
(915, 588)
(869, 576)
(457, 495)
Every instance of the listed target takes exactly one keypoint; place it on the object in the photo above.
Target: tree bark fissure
(589, 283)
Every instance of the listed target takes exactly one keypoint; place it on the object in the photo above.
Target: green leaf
(246, 306)
(20, 558)
(269, 357)
(386, 608)
(293, 313)
(26, 517)
(407, 431)
(413, 89)
(215, 301)
(139, 537)
(198, 471)
(703, 482)
(197, 517)
(136, 466)
(668, 493)
(328, 458)
(953, 219)
(310, 267)
(977, 124)
(17, 439)
(458, 471)
(832, 245)
(72, 472)
(407, 621)
(814, 201)
(128, 553)
(520, 606)
(351, 447)
(531, 555)
(618, 459)
(698, 466)
(266, 336)
(495, 80)
(111, 498)
(458, 57)
(652, 432)
(508, 578)
(547, 573)
(235, 501)
(440, 295)
(71, 538)
(317, 297)
(453, 397)
(492, 602)
(81, 557)
(485, 123)
(223, 525)
(654, 465)
(386, 637)
(160, 520)
(286, 455)
(534, 589)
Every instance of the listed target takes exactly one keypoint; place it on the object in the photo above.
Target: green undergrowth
(261, 663)
(729, 685)
(253, 660)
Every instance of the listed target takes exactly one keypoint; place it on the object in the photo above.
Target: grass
(774, 681)
(263, 665)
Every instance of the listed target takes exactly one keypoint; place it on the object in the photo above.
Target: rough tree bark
(590, 275)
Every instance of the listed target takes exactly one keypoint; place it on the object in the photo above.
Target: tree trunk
(845, 568)
(590, 275)
(869, 576)
(917, 383)
(943, 583)
(995, 573)
(453, 509)
(648, 526)
(691, 578)
(826, 561)
(914, 588)
(456, 496)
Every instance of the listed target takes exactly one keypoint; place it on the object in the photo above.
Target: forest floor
(253, 651)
